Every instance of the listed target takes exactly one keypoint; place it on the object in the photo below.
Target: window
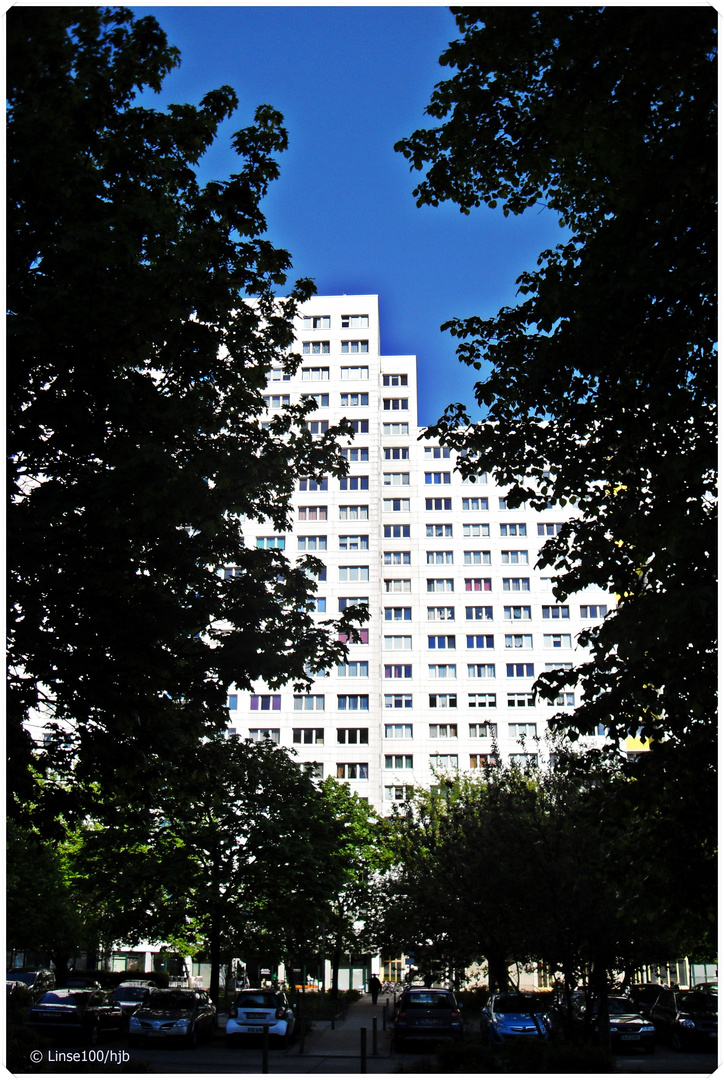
(357, 770)
(355, 346)
(308, 735)
(397, 793)
(439, 584)
(518, 529)
(522, 760)
(478, 614)
(354, 573)
(482, 701)
(395, 506)
(315, 374)
(354, 513)
(350, 735)
(443, 761)
(480, 641)
(319, 603)
(353, 702)
(351, 601)
(316, 322)
(549, 530)
(266, 701)
(567, 700)
(260, 734)
(480, 761)
(521, 731)
(516, 584)
(441, 641)
(313, 768)
(279, 375)
(313, 485)
(312, 513)
(318, 575)
(437, 477)
(398, 671)
(353, 322)
(354, 669)
(270, 542)
(396, 479)
(354, 543)
(514, 556)
(476, 530)
(438, 530)
(444, 701)
(475, 504)
(315, 348)
(356, 453)
(442, 671)
(476, 558)
(397, 641)
(503, 505)
(396, 532)
(398, 731)
(354, 637)
(398, 761)
(398, 701)
(309, 702)
(437, 452)
(398, 614)
(440, 614)
(398, 585)
(276, 401)
(477, 584)
(519, 641)
(521, 701)
(481, 671)
(439, 558)
(558, 666)
(394, 380)
(396, 558)
(312, 543)
(519, 671)
(556, 641)
(396, 429)
(394, 404)
(322, 400)
(233, 572)
(593, 611)
(232, 702)
(318, 427)
(353, 401)
(485, 730)
(556, 611)
(354, 483)
(514, 613)
(355, 372)
(360, 427)
(397, 453)
(438, 504)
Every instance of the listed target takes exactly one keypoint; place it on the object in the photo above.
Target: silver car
(254, 1011)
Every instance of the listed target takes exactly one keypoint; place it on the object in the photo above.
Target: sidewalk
(344, 1040)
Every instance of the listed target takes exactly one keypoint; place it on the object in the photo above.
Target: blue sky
(351, 81)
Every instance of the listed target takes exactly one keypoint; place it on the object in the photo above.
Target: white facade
(461, 622)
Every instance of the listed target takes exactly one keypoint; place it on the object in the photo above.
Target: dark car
(644, 996)
(37, 980)
(629, 1029)
(253, 1011)
(687, 1018)
(173, 1014)
(77, 1014)
(80, 982)
(130, 995)
(516, 1015)
(427, 1014)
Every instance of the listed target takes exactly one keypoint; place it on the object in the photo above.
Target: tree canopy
(138, 461)
(600, 385)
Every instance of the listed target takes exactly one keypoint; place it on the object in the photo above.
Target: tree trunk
(599, 979)
(336, 959)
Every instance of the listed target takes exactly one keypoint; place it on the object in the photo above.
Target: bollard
(333, 1019)
(374, 1036)
(384, 1016)
(302, 1034)
(265, 1050)
(363, 1049)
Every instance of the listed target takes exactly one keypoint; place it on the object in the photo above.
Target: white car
(254, 1011)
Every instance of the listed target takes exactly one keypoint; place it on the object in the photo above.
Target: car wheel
(676, 1043)
(93, 1035)
(192, 1038)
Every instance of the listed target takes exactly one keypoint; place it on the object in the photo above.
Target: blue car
(517, 1015)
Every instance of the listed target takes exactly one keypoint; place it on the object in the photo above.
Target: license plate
(630, 1038)
(255, 1030)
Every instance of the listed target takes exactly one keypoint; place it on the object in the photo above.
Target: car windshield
(57, 997)
(520, 1003)
(130, 993)
(428, 1000)
(27, 977)
(171, 1000)
(696, 1001)
(620, 1005)
(266, 1001)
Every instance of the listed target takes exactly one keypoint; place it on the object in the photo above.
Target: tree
(136, 363)
(600, 385)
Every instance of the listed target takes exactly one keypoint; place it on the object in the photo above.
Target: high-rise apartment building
(461, 622)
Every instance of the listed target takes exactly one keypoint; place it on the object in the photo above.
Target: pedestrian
(375, 987)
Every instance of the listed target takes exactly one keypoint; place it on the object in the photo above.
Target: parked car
(644, 996)
(629, 1029)
(37, 980)
(75, 1013)
(79, 982)
(254, 1010)
(173, 1014)
(687, 1018)
(708, 988)
(516, 1015)
(130, 995)
(427, 1014)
